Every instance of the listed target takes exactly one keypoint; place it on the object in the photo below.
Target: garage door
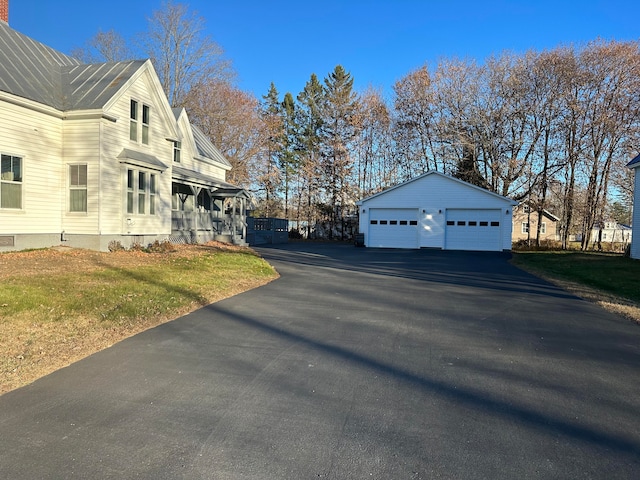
(393, 227)
(470, 229)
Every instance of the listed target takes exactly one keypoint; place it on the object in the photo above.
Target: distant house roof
(545, 212)
(34, 71)
(634, 163)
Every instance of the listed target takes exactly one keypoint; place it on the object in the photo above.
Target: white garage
(437, 211)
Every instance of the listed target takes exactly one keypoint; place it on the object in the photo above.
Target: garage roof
(449, 177)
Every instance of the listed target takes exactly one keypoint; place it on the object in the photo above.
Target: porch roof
(217, 187)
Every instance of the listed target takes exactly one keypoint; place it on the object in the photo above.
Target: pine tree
(339, 130)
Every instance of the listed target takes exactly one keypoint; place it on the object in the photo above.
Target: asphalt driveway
(355, 364)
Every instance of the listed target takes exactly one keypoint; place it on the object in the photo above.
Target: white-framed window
(177, 150)
(543, 228)
(10, 181)
(135, 117)
(133, 121)
(141, 192)
(78, 188)
(525, 227)
(145, 124)
(525, 208)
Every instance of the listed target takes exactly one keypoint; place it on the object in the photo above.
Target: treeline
(553, 128)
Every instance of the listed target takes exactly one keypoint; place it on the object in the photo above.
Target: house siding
(115, 137)
(36, 138)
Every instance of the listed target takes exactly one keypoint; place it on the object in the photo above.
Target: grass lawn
(60, 305)
(610, 279)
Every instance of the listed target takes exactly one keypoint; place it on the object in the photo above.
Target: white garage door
(393, 227)
(469, 229)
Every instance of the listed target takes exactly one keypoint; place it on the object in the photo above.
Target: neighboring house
(435, 210)
(635, 222)
(93, 153)
(611, 232)
(525, 224)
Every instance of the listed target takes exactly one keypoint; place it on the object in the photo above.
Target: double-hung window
(141, 192)
(10, 181)
(525, 227)
(145, 124)
(134, 122)
(177, 147)
(78, 188)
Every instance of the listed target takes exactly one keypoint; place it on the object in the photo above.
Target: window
(495, 224)
(145, 124)
(78, 188)
(461, 223)
(525, 227)
(472, 223)
(525, 208)
(543, 228)
(413, 222)
(450, 223)
(484, 224)
(393, 222)
(177, 146)
(10, 181)
(383, 222)
(152, 194)
(403, 222)
(374, 222)
(133, 121)
(141, 192)
(130, 189)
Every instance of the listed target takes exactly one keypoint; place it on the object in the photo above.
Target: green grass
(122, 294)
(610, 273)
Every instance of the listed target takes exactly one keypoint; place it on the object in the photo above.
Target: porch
(206, 209)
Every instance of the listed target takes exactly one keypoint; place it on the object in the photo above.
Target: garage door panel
(393, 228)
(474, 229)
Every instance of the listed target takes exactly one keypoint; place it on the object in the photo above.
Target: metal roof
(634, 163)
(221, 187)
(37, 72)
(206, 148)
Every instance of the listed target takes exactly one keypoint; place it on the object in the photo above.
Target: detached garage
(437, 211)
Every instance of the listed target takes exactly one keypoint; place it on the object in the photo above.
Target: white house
(635, 223)
(611, 232)
(93, 153)
(435, 210)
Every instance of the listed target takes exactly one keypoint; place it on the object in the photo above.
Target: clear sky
(378, 41)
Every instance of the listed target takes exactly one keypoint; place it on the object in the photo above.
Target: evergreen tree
(270, 178)
(309, 121)
(339, 130)
(289, 160)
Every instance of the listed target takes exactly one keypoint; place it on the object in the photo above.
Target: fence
(262, 231)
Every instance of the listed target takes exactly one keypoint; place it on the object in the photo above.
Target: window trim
(141, 198)
(78, 187)
(12, 181)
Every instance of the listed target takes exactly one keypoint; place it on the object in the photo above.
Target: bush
(295, 234)
(164, 246)
(115, 246)
(524, 245)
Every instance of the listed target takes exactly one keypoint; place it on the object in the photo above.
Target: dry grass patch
(60, 305)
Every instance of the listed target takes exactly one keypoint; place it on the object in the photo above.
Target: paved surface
(355, 364)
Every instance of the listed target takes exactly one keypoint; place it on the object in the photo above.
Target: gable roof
(449, 177)
(205, 148)
(34, 71)
(634, 163)
(30, 69)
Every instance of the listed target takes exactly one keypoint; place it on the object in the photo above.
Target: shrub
(164, 246)
(115, 246)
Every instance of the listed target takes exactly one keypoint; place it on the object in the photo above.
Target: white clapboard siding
(36, 137)
(115, 138)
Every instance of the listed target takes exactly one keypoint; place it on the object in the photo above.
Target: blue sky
(379, 41)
